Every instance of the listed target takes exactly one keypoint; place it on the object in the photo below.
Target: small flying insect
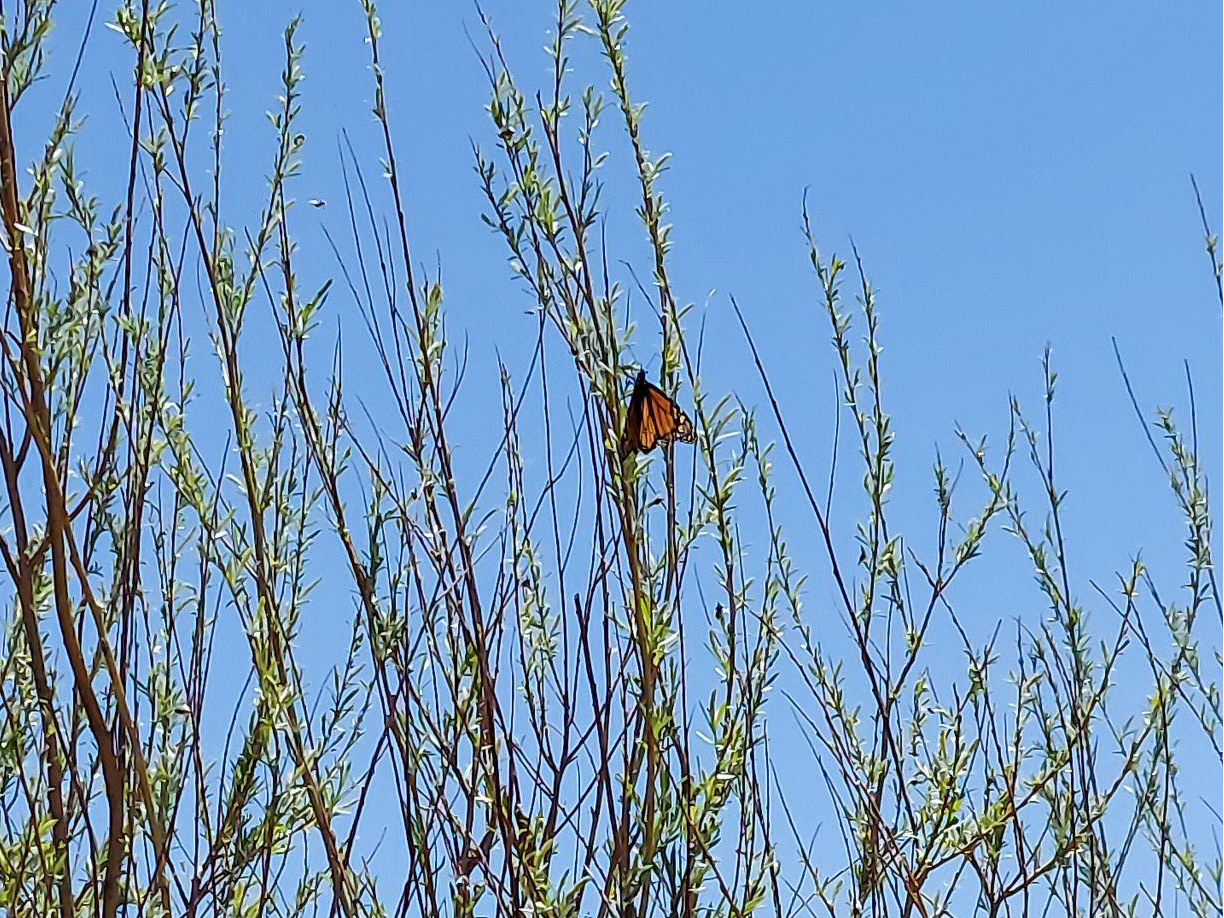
(653, 417)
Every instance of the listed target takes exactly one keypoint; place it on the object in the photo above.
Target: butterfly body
(653, 418)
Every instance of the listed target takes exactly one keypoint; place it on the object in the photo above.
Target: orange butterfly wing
(671, 423)
(653, 418)
(630, 438)
(648, 429)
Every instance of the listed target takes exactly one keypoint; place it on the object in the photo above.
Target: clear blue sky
(1012, 175)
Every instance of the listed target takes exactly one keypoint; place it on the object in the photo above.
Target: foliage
(516, 724)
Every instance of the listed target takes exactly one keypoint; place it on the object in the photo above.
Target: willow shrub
(549, 691)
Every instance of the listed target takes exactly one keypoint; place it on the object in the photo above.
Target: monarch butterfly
(653, 418)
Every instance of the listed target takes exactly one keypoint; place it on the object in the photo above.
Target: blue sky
(1012, 176)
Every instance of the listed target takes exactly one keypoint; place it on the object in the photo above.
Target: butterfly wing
(679, 425)
(646, 432)
(670, 422)
(653, 417)
(631, 439)
(648, 429)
